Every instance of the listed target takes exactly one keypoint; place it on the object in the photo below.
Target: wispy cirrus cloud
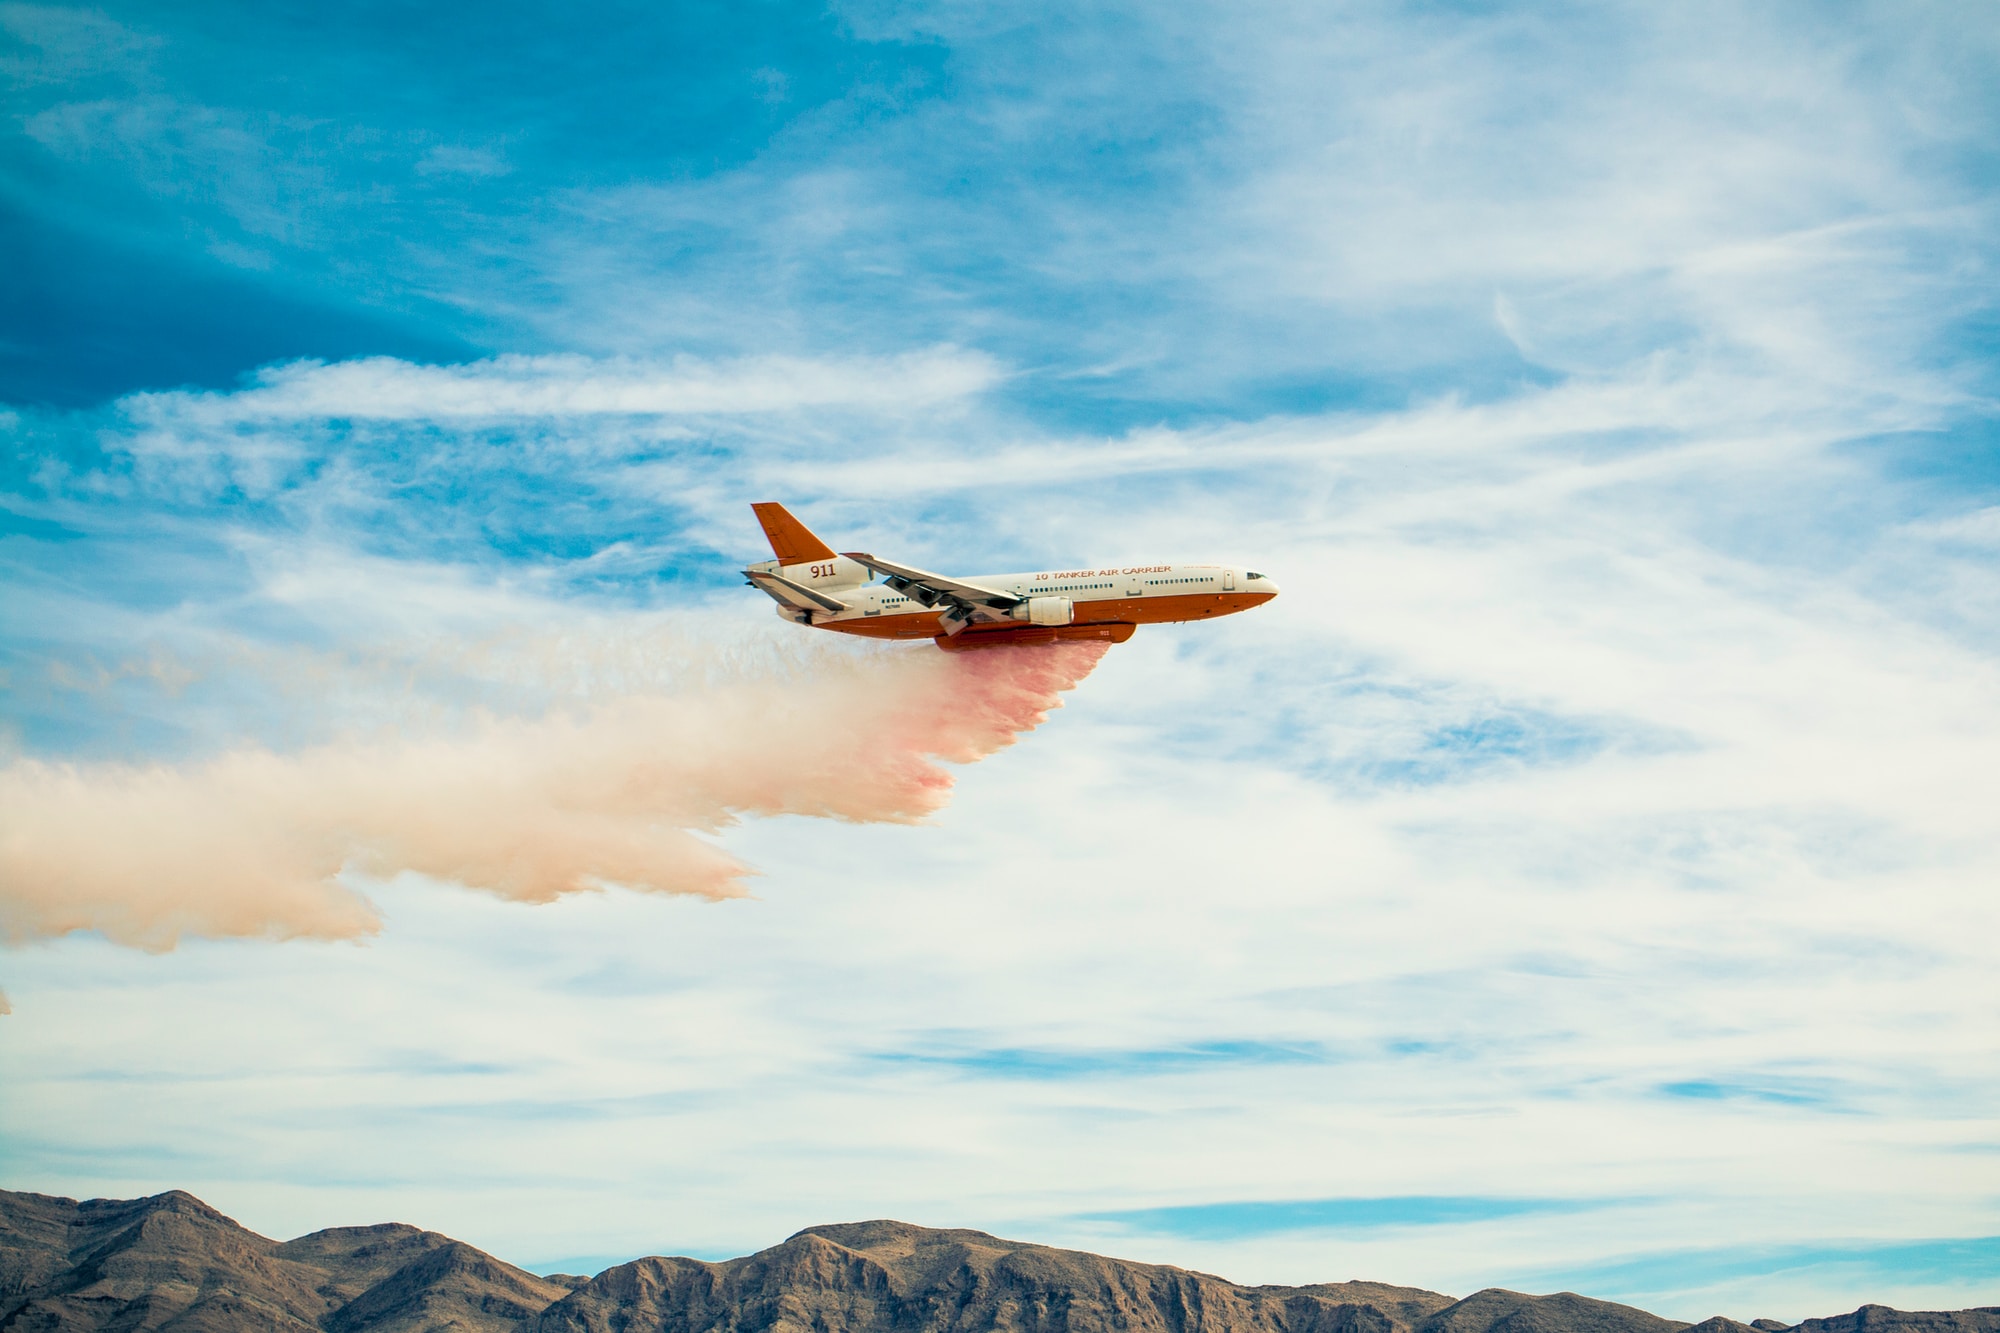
(385, 389)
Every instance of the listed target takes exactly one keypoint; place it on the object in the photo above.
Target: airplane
(815, 585)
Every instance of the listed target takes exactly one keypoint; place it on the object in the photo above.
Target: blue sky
(1581, 877)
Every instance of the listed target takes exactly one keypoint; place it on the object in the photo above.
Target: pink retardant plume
(249, 842)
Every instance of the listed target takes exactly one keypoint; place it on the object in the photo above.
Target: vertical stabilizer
(791, 541)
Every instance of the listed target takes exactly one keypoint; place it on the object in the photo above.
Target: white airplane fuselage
(1102, 604)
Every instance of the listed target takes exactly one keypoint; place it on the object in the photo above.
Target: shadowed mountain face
(172, 1262)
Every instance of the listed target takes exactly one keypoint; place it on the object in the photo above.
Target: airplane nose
(1261, 584)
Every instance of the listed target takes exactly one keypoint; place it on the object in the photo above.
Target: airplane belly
(1109, 611)
(1000, 636)
(921, 625)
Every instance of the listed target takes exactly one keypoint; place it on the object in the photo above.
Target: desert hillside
(172, 1262)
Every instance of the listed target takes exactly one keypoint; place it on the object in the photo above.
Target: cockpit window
(1251, 574)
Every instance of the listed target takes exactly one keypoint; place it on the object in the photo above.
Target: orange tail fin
(791, 541)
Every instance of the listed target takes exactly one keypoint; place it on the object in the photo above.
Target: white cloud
(69, 42)
(1770, 885)
(385, 389)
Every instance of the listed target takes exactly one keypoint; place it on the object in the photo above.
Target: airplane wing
(793, 594)
(931, 589)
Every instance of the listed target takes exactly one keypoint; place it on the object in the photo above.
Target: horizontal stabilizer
(798, 595)
(791, 541)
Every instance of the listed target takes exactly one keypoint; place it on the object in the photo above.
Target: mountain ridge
(172, 1262)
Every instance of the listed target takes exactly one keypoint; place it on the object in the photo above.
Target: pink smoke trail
(248, 843)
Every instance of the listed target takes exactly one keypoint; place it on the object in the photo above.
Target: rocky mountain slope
(173, 1263)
